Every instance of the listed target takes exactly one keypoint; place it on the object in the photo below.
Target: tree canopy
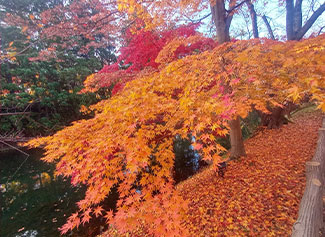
(129, 141)
(170, 81)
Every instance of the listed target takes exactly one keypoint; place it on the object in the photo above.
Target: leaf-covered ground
(260, 194)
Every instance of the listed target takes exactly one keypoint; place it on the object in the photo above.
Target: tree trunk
(252, 12)
(222, 23)
(297, 17)
(278, 116)
(274, 120)
(236, 139)
(220, 20)
(289, 19)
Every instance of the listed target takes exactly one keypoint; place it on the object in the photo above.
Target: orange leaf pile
(260, 195)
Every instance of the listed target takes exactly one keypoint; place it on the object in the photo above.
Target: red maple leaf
(109, 216)
(98, 211)
(86, 216)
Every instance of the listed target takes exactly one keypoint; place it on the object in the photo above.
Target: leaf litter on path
(260, 193)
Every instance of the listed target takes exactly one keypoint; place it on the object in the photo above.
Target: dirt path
(259, 195)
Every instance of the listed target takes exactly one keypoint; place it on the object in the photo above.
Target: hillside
(260, 194)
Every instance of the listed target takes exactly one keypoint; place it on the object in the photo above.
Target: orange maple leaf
(109, 216)
(86, 216)
(98, 211)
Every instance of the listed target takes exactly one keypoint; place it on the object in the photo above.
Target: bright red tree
(140, 54)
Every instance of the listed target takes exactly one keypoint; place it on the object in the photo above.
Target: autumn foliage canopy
(143, 53)
(129, 142)
(168, 83)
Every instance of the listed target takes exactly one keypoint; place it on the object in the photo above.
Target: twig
(233, 8)
(17, 149)
(320, 30)
(15, 113)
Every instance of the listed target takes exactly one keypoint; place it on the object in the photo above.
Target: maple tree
(129, 142)
(298, 22)
(142, 54)
(222, 18)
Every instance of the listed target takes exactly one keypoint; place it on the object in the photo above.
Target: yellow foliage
(130, 140)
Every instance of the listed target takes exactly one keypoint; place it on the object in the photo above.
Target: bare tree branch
(268, 26)
(21, 52)
(320, 30)
(201, 19)
(15, 113)
(229, 11)
(198, 20)
(310, 22)
(13, 147)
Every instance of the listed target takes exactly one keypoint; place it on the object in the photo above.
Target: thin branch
(15, 113)
(27, 156)
(236, 6)
(25, 49)
(13, 147)
(198, 20)
(268, 26)
(19, 53)
(201, 19)
(320, 30)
